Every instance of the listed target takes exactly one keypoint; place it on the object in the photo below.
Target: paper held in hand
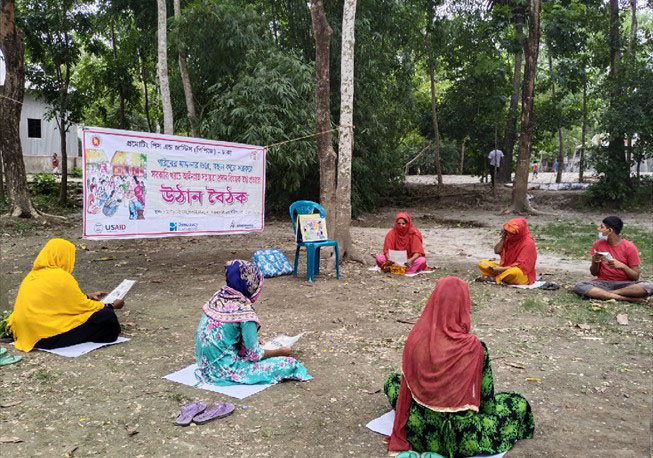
(606, 255)
(119, 291)
(398, 256)
(281, 341)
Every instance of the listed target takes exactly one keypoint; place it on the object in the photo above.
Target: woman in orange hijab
(444, 398)
(518, 256)
(52, 312)
(404, 237)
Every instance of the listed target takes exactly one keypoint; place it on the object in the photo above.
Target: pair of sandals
(200, 413)
(7, 359)
(412, 454)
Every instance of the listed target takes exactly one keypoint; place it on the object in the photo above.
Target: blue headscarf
(233, 303)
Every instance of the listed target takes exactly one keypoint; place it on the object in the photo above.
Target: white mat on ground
(187, 377)
(537, 284)
(430, 271)
(74, 351)
(383, 425)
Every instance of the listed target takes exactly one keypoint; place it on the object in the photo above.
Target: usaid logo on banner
(115, 227)
(98, 228)
(183, 227)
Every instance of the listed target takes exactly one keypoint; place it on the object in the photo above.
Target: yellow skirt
(512, 276)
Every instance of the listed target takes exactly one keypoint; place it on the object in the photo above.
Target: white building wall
(49, 142)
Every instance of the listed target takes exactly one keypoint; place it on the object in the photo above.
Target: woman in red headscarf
(444, 400)
(404, 237)
(518, 256)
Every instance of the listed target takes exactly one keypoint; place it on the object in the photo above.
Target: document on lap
(281, 341)
(119, 291)
(398, 256)
(605, 254)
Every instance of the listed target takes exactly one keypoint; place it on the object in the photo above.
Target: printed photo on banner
(140, 184)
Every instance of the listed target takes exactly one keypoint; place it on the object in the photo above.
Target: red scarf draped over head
(442, 362)
(519, 248)
(403, 238)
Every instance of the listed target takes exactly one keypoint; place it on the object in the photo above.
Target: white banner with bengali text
(139, 185)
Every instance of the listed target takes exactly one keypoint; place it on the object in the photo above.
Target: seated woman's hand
(118, 304)
(285, 351)
(97, 295)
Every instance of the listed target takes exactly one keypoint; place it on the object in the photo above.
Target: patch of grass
(575, 239)
(43, 376)
(23, 227)
(4, 316)
(536, 304)
(178, 397)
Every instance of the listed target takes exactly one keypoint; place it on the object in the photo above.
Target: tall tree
(11, 104)
(185, 79)
(505, 170)
(430, 32)
(162, 66)
(346, 131)
(531, 45)
(327, 156)
(54, 31)
(561, 146)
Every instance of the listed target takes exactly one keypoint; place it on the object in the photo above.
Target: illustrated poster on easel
(311, 228)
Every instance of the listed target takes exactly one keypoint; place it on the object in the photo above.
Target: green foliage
(4, 331)
(272, 101)
(45, 184)
(76, 172)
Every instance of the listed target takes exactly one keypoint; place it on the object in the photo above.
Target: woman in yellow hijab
(51, 311)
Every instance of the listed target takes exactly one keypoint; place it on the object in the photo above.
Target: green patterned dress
(502, 420)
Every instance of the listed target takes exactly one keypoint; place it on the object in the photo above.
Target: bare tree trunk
(531, 50)
(417, 156)
(326, 155)
(633, 28)
(505, 170)
(436, 130)
(462, 156)
(162, 67)
(2, 179)
(346, 133)
(11, 104)
(561, 152)
(63, 189)
(121, 91)
(185, 80)
(581, 164)
(616, 141)
(147, 99)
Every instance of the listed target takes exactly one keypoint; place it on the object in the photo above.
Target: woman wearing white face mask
(615, 264)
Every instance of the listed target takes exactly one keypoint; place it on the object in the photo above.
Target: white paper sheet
(74, 351)
(383, 425)
(187, 377)
(420, 273)
(119, 292)
(281, 341)
(398, 256)
(537, 284)
(374, 269)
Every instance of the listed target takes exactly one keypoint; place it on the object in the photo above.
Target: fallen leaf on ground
(105, 258)
(131, 430)
(10, 403)
(583, 326)
(622, 318)
(533, 379)
(9, 440)
(518, 366)
(70, 451)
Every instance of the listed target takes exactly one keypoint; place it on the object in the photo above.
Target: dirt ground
(593, 397)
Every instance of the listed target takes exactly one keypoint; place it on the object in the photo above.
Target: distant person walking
(55, 164)
(534, 169)
(555, 166)
(495, 157)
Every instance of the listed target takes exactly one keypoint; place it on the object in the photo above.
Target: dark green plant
(45, 184)
(4, 331)
(76, 172)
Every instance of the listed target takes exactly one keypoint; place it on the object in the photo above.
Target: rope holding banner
(307, 136)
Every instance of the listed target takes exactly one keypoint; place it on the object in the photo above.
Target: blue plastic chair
(307, 207)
